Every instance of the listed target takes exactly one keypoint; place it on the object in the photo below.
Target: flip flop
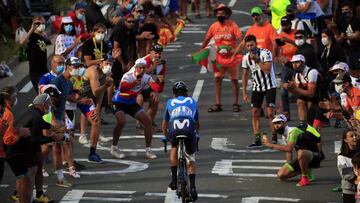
(236, 108)
(215, 108)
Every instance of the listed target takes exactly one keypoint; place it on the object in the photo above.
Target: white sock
(60, 174)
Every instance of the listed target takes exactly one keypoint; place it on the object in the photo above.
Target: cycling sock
(174, 173)
(92, 150)
(192, 180)
(257, 137)
(39, 193)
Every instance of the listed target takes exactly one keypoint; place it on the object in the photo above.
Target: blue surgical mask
(68, 28)
(82, 71)
(60, 69)
(79, 16)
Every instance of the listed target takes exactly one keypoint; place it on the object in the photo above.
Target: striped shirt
(261, 82)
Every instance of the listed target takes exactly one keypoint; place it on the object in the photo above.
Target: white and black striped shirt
(260, 81)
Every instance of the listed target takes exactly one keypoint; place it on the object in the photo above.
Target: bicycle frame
(183, 190)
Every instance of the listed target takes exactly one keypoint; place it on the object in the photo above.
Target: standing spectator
(278, 10)
(286, 50)
(67, 43)
(226, 33)
(78, 16)
(148, 34)
(306, 49)
(347, 151)
(259, 62)
(36, 41)
(296, 23)
(93, 14)
(310, 12)
(3, 128)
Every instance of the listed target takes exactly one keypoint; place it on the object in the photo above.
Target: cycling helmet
(179, 86)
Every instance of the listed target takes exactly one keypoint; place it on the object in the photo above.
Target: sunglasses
(38, 23)
(299, 37)
(130, 21)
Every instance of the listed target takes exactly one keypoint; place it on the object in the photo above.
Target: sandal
(236, 108)
(215, 108)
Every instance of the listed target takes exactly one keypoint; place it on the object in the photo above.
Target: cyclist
(182, 117)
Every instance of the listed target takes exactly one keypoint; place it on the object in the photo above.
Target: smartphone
(138, 77)
(254, 51)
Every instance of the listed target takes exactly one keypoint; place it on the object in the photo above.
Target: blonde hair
(35, 18)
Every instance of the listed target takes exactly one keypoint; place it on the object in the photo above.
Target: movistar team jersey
(181, 107)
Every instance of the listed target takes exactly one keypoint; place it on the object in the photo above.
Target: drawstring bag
(20, 33)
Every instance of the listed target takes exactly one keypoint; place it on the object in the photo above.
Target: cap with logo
(279, 118)
(340, 66)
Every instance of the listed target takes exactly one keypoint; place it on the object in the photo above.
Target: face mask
(347, 15)
(299, 42)
(339, 88)
(281, 130)
(79, 16)
(99, 3)
(68, 28)
(107, 69)
(325, 41)
(60, 69)
(291, 16)
(82, 71)
(300, 69)
(74, 72)
(99, 37)
(40, 28)
(15, 102)
(221, 19)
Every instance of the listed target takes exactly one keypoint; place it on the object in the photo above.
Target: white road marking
(197, 89)
(133, 166)
(241, 12)
(26, 88)
(196, 25)
(192, 28)
(231, 3)
(4, 186)
(159, 194)
(173, 46)
(257, 199)
(75, 196)
(203, 70)
(244, 28)
(225, 168)
(193, 31)
(223, 144)
(337, 146)
(198, 43)
(171, 197)
(170, 50)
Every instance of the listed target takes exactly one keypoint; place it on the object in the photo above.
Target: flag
(167, 36)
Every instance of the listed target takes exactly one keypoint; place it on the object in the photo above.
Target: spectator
(310, 12)
(259, 62)
(326, 6)
(306, 49)
(36, 41)
(278, 10)
(347, 151)
(148, 34)
(226, 33)
(67, 43)
(3, 128)
(57, 68)
(296, 23)
(78, 16)
(356, 166)
(93, 14)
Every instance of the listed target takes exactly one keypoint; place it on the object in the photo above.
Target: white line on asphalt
(170, 196)
(26, 88)
(241, 12)
(159, 194)
(203, 70)
(244, 28)
(232, 3)
(198, 43)
(197, 89)
(170, 50)
(259, 160)
(257, 199)
(173, 46)
(196, 25)
(257, 167)
(223, 144)
(193, 31)
(75, 196)
(192, 28)
(107, 199)
(337, 145)
(4, 186)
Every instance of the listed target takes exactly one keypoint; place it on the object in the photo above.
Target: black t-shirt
(349, 28)
(36, 51)
(150, 27)
(310, 56)
(94, 15)
(33, 119)
(89, 49)
(126, 38)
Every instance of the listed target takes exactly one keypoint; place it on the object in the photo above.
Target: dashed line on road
(257, 199)
(171, 197)
(223, 144)
(26, 88)
(75, 196)
(197, 90)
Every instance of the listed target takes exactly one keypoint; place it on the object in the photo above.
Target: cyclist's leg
(191, 145)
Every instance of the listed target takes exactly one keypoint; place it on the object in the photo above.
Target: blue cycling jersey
(47, 78)
(181, 107)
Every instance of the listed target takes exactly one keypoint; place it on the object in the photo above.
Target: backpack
(322, 86)
(309, 139)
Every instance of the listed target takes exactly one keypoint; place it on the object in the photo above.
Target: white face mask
(74, 72)
(107, 69)
(99, 3)
(40, 28)
(299, 42)
(99, 37)
(325, 41)
(339, 88)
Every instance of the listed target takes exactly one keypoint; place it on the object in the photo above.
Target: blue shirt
(47, 78)
(181, 107)
(66, 88)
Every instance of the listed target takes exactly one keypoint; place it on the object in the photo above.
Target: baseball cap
(157, 48)
(108, 57)
(140, 62)
(298, 57)
(340, 66)
(66, 19)
(75, 61)
(291, 8)
(41, 99)
(80, 5)
(285, 21)
(341, 77)
(51, 90)
(256, 10)
(279, 118)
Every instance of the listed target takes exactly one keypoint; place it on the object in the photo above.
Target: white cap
(66, 19)
(340, 66)
(279, 118)
(140, 62)
(298, 57)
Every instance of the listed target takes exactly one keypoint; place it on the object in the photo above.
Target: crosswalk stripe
(193, 31)
(232, 3)
(26, 88)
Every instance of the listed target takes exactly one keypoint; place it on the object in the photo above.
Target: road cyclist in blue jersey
(181, 117)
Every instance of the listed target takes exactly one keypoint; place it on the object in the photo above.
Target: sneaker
(115, 151)
(43, 199)
(83, 139)
(94, 158)
(310, 174)
(274, 139)
(304, 181)
(173, 185)
(45, 174)
(254, 145)
(73, 173)
(193, 194)
(15, 197)
(149, 154)
(102, 138)
(63, 183)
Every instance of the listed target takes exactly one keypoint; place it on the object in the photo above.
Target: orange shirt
(353, 101)
(2, 155)
(10, 136)
(288, 50)
(265, 35)
(226, 34)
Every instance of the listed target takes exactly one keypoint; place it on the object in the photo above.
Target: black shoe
(104, 122)
(78, 166)
(173, 185)
(193, 194)
(254, 145)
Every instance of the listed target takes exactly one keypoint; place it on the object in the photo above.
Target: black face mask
(281, 130)
(291, 16)
(221, 19)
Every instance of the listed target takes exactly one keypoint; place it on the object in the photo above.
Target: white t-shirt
(307, 76)
(63, 42)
